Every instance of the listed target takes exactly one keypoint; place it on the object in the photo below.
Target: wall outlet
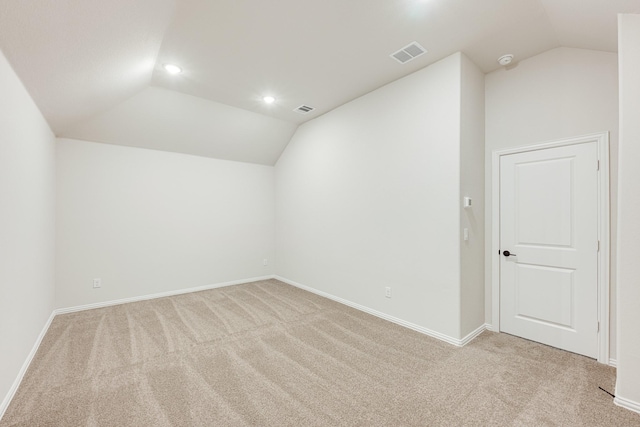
(387, 292)
(265, 262)
(97, 283)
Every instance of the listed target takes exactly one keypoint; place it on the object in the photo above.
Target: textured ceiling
(89, 64)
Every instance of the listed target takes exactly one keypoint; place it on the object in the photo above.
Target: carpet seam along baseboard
(146, 297)
(458, 342)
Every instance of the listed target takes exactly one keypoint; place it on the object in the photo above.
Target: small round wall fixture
(505, 59)
(172, 69)
(269, 99)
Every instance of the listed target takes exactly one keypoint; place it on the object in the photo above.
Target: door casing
(602, 140)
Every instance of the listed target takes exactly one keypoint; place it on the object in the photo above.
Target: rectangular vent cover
(407, 53)
(304, 109)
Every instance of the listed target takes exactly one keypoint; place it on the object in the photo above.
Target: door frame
(602, 140)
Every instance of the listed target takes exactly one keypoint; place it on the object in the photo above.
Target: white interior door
(549, 246)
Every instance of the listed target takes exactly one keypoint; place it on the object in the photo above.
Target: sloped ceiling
(171, 121)
(94, 67)
(80, 57)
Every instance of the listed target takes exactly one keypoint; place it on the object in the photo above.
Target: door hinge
(598, 245)
(598, 326)
(598, 166)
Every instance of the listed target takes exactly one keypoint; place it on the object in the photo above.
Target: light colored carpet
(268, 354)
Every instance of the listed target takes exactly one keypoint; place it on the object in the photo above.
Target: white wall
(561, 93)
(147, 221)
(628, 385)
(26, 226)
(472, 185)
(367, 196)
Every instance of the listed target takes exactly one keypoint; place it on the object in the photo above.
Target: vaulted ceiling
(94, 67)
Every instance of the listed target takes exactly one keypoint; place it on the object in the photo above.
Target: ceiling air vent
(304, 109)
(407, 53)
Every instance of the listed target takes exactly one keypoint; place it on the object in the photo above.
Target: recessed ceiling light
(172, 69)
(269, 99)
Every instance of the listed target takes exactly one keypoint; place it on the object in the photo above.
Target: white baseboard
(418, 328)
(455, 341)
(613, 362)
(158, 295)
(627, 404)
(25, 366)
(480, 329)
